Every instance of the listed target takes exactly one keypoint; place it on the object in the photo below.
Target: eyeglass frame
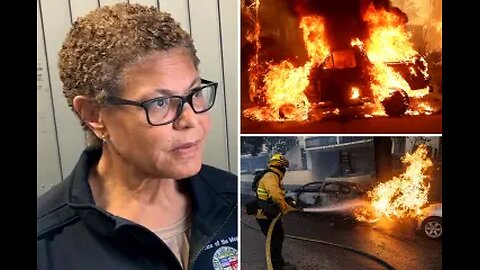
(114, 100)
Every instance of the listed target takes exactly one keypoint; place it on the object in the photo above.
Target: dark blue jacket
(73, 233)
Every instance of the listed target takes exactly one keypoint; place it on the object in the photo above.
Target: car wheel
(291, 201)
(397, 103)
(432, 227)
(301, 204)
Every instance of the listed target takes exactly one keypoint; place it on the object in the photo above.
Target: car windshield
(340, 60)
(331, 188)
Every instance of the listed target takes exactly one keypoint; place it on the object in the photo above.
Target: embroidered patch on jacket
(225, 258)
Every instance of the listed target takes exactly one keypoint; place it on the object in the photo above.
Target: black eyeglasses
(165, 110)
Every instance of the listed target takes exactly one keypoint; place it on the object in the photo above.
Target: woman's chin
(182, 171)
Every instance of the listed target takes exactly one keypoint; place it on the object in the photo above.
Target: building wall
(214, 27)
(309, 160)
(294, 156)
(250, 164)
(326, 163)
(291, 178)
(363, 160)
(433, 143)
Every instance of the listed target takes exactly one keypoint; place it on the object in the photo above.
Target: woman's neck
(123, 190)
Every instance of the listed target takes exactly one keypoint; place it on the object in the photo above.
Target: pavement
(427, 124)
(397, 244)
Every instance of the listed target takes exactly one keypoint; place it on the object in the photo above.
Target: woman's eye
(160, 103)
(198, 94)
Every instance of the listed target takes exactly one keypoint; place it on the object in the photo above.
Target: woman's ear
(89, 111)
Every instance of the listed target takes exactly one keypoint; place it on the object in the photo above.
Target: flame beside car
(403, 196)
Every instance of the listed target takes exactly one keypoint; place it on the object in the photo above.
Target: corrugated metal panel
(71, 140)
(48, 163)
(229, 19)
(179, 10)
(111, 2)
(145, 2)
(80, 8)
(206, 35)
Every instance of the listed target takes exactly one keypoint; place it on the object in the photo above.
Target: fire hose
(268, 256)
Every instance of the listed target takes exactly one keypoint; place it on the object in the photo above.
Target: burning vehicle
(325, 193)
(344, 79)
(402, 198)
(334, 198)
(358, 55)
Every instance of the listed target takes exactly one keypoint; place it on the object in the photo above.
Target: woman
(139, 197)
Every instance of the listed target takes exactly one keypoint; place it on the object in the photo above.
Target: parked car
(331, 196)
(429, 223)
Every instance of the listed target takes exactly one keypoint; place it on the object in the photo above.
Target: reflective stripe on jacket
(270, 186)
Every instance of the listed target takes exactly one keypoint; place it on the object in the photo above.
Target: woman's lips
(187, 149)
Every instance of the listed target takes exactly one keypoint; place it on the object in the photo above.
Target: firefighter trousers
(276, 242)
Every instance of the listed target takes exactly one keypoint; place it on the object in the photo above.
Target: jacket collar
(80, 192)
(277, 172)
(209, 203)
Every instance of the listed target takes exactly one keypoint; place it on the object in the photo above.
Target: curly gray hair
(102, 44)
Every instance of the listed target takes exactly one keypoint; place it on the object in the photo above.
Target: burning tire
(432, 228)
(397, 103)
(287, 111)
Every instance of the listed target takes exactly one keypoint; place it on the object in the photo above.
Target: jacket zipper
(168, 250)
(190, 267)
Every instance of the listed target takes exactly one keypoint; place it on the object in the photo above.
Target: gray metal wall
(214, 27)
(327, 163)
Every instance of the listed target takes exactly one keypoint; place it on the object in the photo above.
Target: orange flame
(315, 38)
(403, 196)
(385, 79)
(412, 71)
(253, 36)
(356, 42)
(279, 88)
(355, 93)
(284, 84)
(438, 26)
(389, 41)
(422, 107)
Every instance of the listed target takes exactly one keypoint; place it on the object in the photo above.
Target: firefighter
(271, 202)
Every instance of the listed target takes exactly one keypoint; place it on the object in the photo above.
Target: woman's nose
(187, 118)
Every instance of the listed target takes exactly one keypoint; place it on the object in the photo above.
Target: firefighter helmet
(278, 159)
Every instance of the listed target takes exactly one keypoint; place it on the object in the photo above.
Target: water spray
(344, 206)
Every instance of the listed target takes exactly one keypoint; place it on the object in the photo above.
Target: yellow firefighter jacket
(270, 186)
